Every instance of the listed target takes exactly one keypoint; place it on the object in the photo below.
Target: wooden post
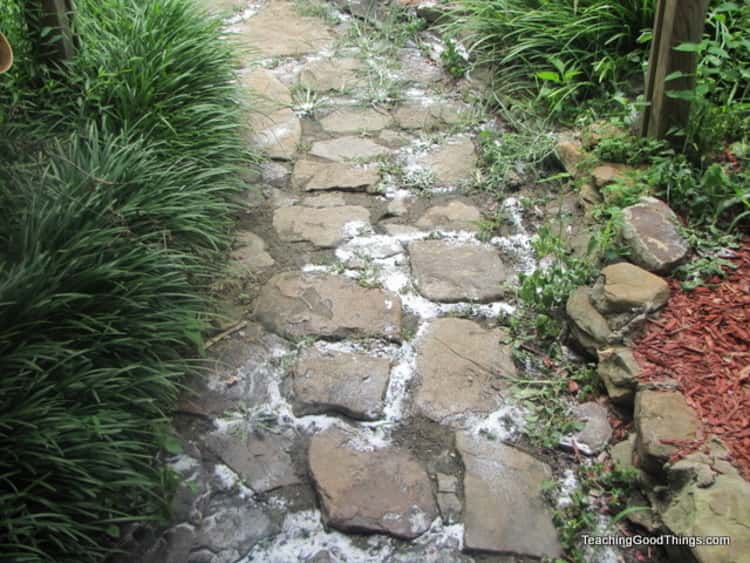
(57, 15)
(676, 22)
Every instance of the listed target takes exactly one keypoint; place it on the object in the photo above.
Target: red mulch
(702, 339)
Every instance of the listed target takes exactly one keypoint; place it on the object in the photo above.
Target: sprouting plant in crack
(305, 101)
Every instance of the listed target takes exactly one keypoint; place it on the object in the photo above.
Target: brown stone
(296, 305)
(363, 488)
(624, 287)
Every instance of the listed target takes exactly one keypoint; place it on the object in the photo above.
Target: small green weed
(453, 59)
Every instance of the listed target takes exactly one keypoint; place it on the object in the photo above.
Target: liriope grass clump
(114, 212)
(565, 49)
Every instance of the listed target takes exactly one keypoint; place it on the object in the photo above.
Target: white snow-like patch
(602, 554)
(505, 424)
(303, 536)
(227, 480)
(184, 465)
(517, 246)
(249, 11)
(568, 484)
(357, 228)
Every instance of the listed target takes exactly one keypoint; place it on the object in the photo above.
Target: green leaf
(549, 76)
(689, 47)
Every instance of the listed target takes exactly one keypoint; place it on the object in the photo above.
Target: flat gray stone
(230, 531)
(452, 163)
(277, 134)
(461, 369)
(596, 432)
(624, 287)
(277, 30)
(275, 128)
(348, 148)
(313, 175)
(587, 325)
(504, 510)
(430, 116)
(363, 488)
(324, 75)
(453, 216)
(296, 305)
(650, 231)
(250, 252)
(261, 459)
(448, 271)
(662, 416)
(355, 120)
(325, 227)
(353, 384)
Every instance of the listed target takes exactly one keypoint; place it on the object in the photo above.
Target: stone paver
(313, 175)
(250, 252)
(452, 163)
(447, 271)
(348, 148)
(461, 369)
(325, 227)
(279, 31)
(367, 489)
(428, 117)
(353, 384)
(298, 305)
(261, 459)
(454, 216)
(355, 120)
(504, 510)
(332, 74)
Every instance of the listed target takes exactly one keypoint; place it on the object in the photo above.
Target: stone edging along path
(360, 413)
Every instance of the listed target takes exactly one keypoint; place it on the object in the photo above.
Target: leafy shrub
(114, 204)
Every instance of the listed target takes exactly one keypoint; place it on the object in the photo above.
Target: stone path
(361, 414)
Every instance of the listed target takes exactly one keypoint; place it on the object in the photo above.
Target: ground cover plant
(114, 193)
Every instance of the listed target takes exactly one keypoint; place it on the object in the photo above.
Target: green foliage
(712, 249)
(561, 49)
(629, 149)
(114, 205)
(507, 157)
(546, 290)
(453, 60)
(601, 488)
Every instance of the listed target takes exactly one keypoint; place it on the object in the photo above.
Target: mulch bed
(702, 340)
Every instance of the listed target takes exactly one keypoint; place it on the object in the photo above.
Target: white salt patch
(602, 554)
(505, 424)
(184, 465)
(250, 10)
(356, 228)
(303, 536)
(568, 484)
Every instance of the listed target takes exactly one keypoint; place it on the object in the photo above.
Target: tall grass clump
(564, 48)
(114, 209)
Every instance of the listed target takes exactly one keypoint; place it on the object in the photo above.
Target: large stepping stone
(348, 148)
(275, 128)
(448, 271)
(367, 489)
(353, 384)
(261, 459)
(461, 369)
(279, 31)
(297, 305)
(454, 216)
(323, 226)
(662, 419)
(452, 163)
(250, 252)
(430, 116)
(313, 175)
(504, 510)
(650, 231)
(355, 120)
(324, 75)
